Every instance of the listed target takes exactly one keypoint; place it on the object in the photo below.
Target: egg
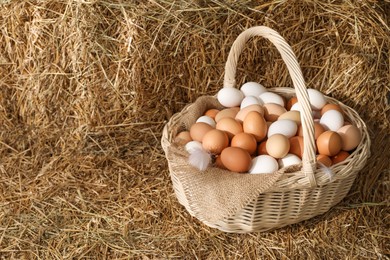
(296, 146)
(285, 127)
(316, 99)
(193, 145)
(262, 148)
(263, 164)
(288, 160)
(252, 89)
(254, 123)
(278, 146)
(328, 107)
(230, 97)
(350, 137)
(316, 114)
(230, 126)
(325, 160)
(212, 113)
(183, 137)
(329, 143)
(295, 107)
(341, 156)
(273, 111)
(207, 120)
(292, 115)
(245, 141)
(214, 141)
(227, 112)
(198, 130)
(318, 129)
(270, 97)
(236, 159)
(250, 100)
(244, 112)
(291, 102)
(332, 120)
(218, 163)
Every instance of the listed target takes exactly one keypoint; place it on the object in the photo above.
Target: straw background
(87, 86)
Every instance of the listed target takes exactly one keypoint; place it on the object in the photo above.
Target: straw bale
(87, 86)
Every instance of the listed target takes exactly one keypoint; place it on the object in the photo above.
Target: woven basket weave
(293, 194)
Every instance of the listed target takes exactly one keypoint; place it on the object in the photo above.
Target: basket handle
(289, 58)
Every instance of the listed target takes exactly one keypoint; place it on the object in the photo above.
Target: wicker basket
(297, 195)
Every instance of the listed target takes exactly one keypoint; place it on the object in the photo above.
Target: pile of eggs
(260, 131)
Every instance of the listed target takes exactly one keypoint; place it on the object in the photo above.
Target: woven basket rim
(356, 160)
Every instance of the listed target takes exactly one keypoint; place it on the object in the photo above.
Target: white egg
(288, 160)
(193, 145)
(263, 164)
(230, 97)
(295, 107)
(270, 97)
(314, 113)
(252, 89)
(250, 100)
(285, 127)
(332, 120)
(316, 99)
(207, 120)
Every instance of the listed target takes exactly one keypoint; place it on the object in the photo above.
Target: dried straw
(86, 87)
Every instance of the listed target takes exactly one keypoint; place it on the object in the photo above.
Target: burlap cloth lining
(214, 194)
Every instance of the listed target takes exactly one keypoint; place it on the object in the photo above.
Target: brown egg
(329, 143)
(350, 137)
(183, 137)
(215, 141)
(273, 111)
(262, 148)
(255, 124)
(211, 113)
(291, 115)
(244, 112)
(291, 102)
(328, 107)
(218, 163)
(236, 159)
(325, 160)
(230, 126)
(278, 146)
(318, 129)
(341, 156)
(198, 130)
(227, 112)
(296, 146)
(245, 141)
